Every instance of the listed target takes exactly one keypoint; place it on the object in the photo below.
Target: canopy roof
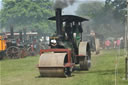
(70, 18)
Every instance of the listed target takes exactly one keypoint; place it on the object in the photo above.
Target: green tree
(103, 19)
(119, 6)
(93, 10)
(90, 9)
(32, 14)
(117, 10)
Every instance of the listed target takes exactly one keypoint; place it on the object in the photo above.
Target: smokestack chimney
(24, 31)
(20, 35)
(58, 21)
(11, 31)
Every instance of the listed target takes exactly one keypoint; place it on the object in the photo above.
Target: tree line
(107, 18)
(29, 14)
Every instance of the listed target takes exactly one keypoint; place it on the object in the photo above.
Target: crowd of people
(116, 43)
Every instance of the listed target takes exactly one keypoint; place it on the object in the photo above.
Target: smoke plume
(63, 3)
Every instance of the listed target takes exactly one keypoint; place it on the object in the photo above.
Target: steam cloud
(63, 3)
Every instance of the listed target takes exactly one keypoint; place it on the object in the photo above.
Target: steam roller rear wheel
(85, 63)
(85, 60)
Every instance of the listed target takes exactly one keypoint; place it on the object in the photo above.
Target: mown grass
(24, 72)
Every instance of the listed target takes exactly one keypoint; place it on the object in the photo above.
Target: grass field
(24, 72)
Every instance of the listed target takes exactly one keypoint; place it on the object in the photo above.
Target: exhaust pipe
(12, 32)
(25, 35)
(58, 21)
(20, 35)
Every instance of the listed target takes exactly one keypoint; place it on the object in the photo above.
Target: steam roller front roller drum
(85, 60)
(52, 65)
(52, 72)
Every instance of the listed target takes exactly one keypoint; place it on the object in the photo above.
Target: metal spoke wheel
(23, 52)
(13, 52)
(30, 52)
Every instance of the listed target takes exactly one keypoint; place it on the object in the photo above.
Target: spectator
(107, 44)
(118, 43)
(114, 44)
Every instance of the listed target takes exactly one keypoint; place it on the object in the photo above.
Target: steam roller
(66, 48)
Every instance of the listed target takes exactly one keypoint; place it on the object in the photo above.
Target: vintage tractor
(14, 48)
(8, 47)
(31, 43)
(15, 45)
(20, 44)
(67, 48)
